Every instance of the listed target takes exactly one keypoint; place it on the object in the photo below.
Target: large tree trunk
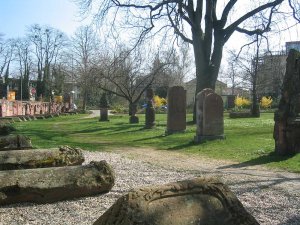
(39, 158)
(47, 185)
(207, 68)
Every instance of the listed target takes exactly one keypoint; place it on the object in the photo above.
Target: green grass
(248, 141)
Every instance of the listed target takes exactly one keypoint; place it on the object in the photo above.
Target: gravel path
(271, 197)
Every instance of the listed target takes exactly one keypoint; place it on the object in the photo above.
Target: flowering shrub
(158, 101)
(266, 102)
(241, 102)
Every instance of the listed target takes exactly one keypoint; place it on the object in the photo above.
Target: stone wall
(22, 108)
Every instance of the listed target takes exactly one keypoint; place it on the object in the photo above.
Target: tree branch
(234, 26)
(295, 15)
(177, 31)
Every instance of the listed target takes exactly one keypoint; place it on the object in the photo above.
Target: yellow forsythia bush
(241, 102)
(158, 101)
(266, 102)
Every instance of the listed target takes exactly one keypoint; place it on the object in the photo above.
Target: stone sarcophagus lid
(196, 201)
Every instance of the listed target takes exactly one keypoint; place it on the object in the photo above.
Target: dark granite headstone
(150, 112)
(176, 110)
(230, 101)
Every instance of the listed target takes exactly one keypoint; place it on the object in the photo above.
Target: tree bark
(255, 106)
(48, 185)
(39, 158)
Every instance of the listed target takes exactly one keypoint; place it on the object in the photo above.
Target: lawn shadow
(150, 138)
(190, 123)
(182, 146)
(261, 160)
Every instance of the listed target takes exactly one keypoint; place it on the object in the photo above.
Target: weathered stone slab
(209, 121)
(193, 202)
(6, 128)
(40, 117)
(46, 185)
(149, 112)
(14, 142)
(40, 158)
(287, 117)
(103, 114)
(13, 118)
(199, 109)
(176, 121)
(6, 120)
(213, 121)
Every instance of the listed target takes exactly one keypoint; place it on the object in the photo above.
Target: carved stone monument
(176, 110)
(103, 108)
(287, 117)
(46, 185)
(150, 112)
(15, 142)
(194, 202)
(132, 113)
(40, 158)
(209, 120)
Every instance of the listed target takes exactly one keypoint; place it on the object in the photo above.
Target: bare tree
(128, 76)
(233, 73)
(6, 57)
(23, 56)
(207, 25)
(48, 42)
(174, 74)
(250, 64)
(85, 47)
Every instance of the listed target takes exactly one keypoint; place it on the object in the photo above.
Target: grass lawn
(247, 140)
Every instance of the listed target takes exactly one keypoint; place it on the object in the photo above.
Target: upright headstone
(150, 112)
(132, 113)
(230, 101)
(176, 110)
(103, 108)
(199, 109)
(287, 117)
(213, 121)
(210, 121)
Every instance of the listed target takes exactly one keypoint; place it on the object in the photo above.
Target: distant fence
(22, 108)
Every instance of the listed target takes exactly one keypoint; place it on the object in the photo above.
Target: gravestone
(132, 112)
(103, 108)
(150, 112)
(176, 121)
(230, 101)
(287, 117)
(210, 121)
(194, 202)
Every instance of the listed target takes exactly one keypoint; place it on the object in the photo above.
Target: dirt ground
(281, 180)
